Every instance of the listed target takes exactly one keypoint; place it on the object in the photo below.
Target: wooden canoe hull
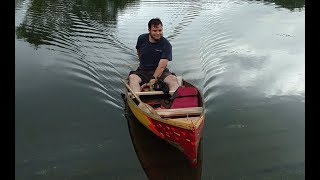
(186, 139)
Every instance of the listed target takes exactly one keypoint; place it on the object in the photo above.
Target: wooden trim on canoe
(192, 111)
(185, 122)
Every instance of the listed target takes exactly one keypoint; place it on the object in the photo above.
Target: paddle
(146, 107)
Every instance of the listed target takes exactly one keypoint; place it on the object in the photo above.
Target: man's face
(156, 32)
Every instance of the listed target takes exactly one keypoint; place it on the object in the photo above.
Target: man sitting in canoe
(154, 52)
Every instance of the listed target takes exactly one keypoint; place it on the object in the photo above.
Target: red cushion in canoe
(185, 97)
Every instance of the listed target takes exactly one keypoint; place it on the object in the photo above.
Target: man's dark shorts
(146, 75)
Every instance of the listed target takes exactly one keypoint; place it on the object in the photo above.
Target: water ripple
(214, 46)
(92, 45)
(88, 48)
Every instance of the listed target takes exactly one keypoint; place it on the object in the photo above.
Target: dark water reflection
(246, 56)
(289, 4)
(46, 18)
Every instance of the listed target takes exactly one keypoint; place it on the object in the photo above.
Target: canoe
(180, 126)
(159, 159)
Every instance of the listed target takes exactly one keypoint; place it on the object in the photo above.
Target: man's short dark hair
(154, 22)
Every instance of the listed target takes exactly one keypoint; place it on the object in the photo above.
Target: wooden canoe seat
(191, 111)
(151, 93)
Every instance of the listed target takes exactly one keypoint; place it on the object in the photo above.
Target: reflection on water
(159, 159)
(289, 4)
(47, 18)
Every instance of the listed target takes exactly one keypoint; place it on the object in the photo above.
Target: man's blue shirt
(151, 53)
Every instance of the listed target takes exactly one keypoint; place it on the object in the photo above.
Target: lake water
(247, 58)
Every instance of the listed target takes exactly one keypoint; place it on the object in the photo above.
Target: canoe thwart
(180, 112)
(151, 93)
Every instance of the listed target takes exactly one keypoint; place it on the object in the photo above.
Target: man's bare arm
(161, 67)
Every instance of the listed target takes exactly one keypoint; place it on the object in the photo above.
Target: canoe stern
(186, 140)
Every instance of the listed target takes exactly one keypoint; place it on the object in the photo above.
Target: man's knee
(171, 79)
(134, 78)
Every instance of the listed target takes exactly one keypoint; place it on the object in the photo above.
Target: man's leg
(134, 82)
(172, 82)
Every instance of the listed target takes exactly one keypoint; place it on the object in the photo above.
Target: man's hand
(151, 83)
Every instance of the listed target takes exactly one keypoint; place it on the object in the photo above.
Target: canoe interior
(162, 101)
